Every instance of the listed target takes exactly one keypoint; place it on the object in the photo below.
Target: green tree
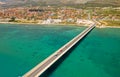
(12, 19)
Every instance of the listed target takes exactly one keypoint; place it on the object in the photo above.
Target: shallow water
(24, 46)
(98, 55)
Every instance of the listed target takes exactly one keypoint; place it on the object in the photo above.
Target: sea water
(24, 46)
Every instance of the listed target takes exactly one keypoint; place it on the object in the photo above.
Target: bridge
(49, 61)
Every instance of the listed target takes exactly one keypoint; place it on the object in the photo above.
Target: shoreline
(44, 24)
(81, 25)
(108, 26)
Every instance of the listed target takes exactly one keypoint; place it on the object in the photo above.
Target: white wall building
(52, 21)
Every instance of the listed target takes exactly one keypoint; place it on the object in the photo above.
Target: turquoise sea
(24, 46)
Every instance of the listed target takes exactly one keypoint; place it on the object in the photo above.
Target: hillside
(15, 3)
(104, 3)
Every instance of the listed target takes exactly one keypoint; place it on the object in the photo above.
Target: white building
(85, 22)
(52, 21)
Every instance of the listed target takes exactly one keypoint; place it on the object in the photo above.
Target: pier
(39, 69)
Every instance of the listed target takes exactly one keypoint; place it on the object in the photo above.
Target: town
(61, 15)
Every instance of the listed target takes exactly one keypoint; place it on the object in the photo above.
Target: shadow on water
(50, 70)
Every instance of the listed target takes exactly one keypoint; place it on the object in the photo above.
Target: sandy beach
(85, 24)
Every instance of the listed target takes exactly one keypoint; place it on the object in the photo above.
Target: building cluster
(45, 15)
(106, 13)
(58, 15)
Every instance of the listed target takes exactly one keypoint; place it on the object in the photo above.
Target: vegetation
(12, 19)
(112, 23)
(109, 11)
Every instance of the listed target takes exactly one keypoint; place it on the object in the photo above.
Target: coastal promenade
(49, 61)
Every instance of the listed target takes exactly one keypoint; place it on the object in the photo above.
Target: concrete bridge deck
(48, 62)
